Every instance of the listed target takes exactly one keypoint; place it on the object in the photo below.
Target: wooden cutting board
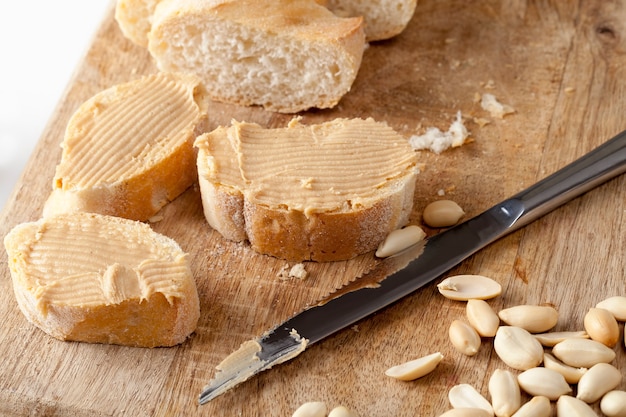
(560, 65)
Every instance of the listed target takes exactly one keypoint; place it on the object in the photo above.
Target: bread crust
(326, 237)
(162, 316)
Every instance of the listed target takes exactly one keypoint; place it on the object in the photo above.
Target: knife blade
(400, 275)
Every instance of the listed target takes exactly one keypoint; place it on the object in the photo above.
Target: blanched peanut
(341, 411)
(601, 326)
(464, 338)
(582, 353)
(534, 318)
(517, 348)
(537, 407)
(616, 305)
(613, 404)
(544, 382)
(571, 374)
(552, 338)
(568, 406)
(466, 412)
(597, 381)
(414, 369)
(466, 396)
(506, 397)
(467, 287)
(482, 317)
(400, 239)
(442, 213)
(311, 409)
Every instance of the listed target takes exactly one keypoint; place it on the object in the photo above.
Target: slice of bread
(134, 17)
(102, 279)
(284, 55)
(323, 192)
(384, 19)
(128, 151)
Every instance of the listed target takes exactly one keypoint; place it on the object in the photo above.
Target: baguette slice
(134, 17)
(128, 150)
(284, 55)
(322, 192)
(102, 279)
(384, 19)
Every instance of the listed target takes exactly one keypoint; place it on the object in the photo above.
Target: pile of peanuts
(550, 364)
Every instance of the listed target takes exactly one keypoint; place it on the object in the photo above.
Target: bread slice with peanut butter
(322, 192)
(102, 279)
(128, 150)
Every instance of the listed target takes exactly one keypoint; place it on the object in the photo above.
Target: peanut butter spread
(339, 166)
(68, 267)
(120, 131)
(128, 151)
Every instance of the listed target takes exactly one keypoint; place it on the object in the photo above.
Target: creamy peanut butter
(245, 362)
(330, 167)
(128, 150)
(118, 132)
(116, 275)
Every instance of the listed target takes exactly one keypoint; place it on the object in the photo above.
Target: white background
(41, 43)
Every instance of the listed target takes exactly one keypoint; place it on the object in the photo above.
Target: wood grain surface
(560, 64)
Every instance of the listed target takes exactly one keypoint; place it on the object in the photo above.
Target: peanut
(568, 406)
(416, 368)
(544, 382)
(517, 348)
(601, 326)
(583, 353)
(466, 412)
(616, 305)
(464, 338)
(597, 381)
(482, 317)
(442, 213)
(400, 239)
(311, 409)
(537, 407)
(552, 338)
(467, 287)
(613, 404)
(341, 411)
(466, 396)
(571, 374)
(534, 318)
(506, 397)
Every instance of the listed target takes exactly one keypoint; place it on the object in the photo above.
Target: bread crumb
(490, 85)
(569, 89)
(155, 219)
(297, 271)
(489, 103)
(437, 141)
(481, 122)
(441, 192)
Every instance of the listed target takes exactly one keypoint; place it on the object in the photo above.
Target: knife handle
(605, 162)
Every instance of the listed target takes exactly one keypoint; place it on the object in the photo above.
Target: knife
(400, 275)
